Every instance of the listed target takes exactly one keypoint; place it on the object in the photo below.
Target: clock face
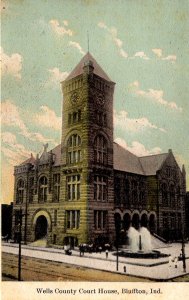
(74, 97)
(100, 99)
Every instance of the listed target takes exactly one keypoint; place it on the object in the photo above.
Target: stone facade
(89, 189)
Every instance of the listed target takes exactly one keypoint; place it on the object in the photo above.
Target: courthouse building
(88, 189)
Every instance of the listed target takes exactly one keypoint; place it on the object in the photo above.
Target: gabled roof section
(57, 152)
(126, 161)
(30, 160)
(151, 164)
(78, 70)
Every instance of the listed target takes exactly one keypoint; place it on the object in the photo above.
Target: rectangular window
(100, 219)
(55, 217)
(17, 217)
(56, 187)
(73, 187)
(118, 190)
(100, 188)
(72, 219)
(54, 238)
(31, 189)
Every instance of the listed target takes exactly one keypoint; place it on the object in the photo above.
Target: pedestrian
(176, 262)
(106, 253)
(170, 261)
(100, 249)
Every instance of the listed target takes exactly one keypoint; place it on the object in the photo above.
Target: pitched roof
(151, 164)
(123, 161)
(126, 161)
(57, 152)
(30, 160)
(78, 70)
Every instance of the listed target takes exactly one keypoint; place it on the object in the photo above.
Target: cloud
(65, 22)
(154, 95)
(10, 116)
(11, 65)
(157, 52)
(123, 53)
(48, 118)
(122, 121)
(171, 58)
(118, 42)
(140, 54)
(77, 46)
(138, 148)
(14, 152)
(60, 30)
(56, 77)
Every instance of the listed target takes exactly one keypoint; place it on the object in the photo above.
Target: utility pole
(20, 242)
(183, 231)
(117, 258)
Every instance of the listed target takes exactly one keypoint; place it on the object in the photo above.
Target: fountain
(140, 245)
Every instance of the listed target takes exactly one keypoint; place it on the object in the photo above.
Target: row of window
(73, 187)
(127, 192)
(170, 196)
(42, 189)
(172, 220)
(73, 219)
(75, 117)
(74, 149)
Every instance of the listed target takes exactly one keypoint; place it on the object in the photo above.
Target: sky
(141, 45)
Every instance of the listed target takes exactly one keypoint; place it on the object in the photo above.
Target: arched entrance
(41, 227)
(144, 220)
(126, 221)
(152, 223)
(135, 221)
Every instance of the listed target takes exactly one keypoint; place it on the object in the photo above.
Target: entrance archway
(152, 223)
(144, 220)
(135, 221)
(126, 221)
(41, 227)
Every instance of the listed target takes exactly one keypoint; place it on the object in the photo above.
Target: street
(34, 269)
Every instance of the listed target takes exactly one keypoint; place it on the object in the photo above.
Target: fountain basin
(140, 254)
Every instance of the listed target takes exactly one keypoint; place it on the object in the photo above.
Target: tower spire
(88, 41)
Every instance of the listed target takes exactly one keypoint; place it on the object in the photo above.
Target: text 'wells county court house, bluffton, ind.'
(88, 189)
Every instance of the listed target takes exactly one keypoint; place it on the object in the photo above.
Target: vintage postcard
(95, 149)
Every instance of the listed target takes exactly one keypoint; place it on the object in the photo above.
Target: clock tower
(87, 185)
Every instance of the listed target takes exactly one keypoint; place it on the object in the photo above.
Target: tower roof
(78, 70)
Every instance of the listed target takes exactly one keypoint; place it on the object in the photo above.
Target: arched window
(164, 194)
(20, 191)
(74, 149)
(43, 189)
(100, 150)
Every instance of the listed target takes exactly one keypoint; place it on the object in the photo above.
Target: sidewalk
(155, 269)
